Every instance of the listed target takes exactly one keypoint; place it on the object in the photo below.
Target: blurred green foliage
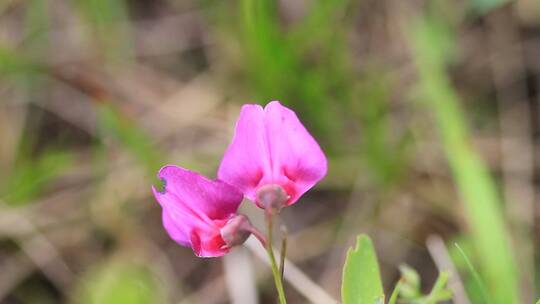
(110, 26)
(117, 282)
(114, 125)
(431, 39)
(30, 176)
(484, 6)
(384, 151)
(306, 71)
(306, 64)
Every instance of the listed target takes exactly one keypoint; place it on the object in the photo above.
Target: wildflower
(201, 213)
(272, 159)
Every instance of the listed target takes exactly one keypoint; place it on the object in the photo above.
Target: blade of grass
(475, 274)
(430, 40)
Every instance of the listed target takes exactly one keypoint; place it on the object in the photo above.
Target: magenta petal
(195, 209)
(298, 162)
(247, 159)
(271, 146)
(213, 198)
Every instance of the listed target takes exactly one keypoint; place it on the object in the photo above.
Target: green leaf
(119, 282)
(361, 277)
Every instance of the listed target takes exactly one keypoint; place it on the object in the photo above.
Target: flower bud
(236, 230)
(272, 197)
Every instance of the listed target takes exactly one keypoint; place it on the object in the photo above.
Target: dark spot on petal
(161, 186)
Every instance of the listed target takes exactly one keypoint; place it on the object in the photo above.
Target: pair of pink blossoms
(271, 154)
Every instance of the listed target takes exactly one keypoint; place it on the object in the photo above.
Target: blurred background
(427, 110)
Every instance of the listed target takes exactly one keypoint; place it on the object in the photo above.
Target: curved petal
(179, 233)
(247, 159)
(195, 209)
(298, 162)
(206, 198)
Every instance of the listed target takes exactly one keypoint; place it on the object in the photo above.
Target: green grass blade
(475, 275)
(482, 204)
(361, 276)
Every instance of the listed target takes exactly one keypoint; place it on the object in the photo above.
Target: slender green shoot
(270, 251)
(475, 274)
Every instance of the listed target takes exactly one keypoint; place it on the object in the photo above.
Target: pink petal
(298, 162)
(195, 209)
(271, 145)
(208, 245)
(213, 198)
(247, 159)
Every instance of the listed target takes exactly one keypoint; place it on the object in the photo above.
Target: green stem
(395, 293)
(275, 270)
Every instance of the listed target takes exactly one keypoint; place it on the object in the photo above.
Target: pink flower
(201, 213)
(271, 149)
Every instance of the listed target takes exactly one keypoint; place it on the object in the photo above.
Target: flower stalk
(275, 270)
